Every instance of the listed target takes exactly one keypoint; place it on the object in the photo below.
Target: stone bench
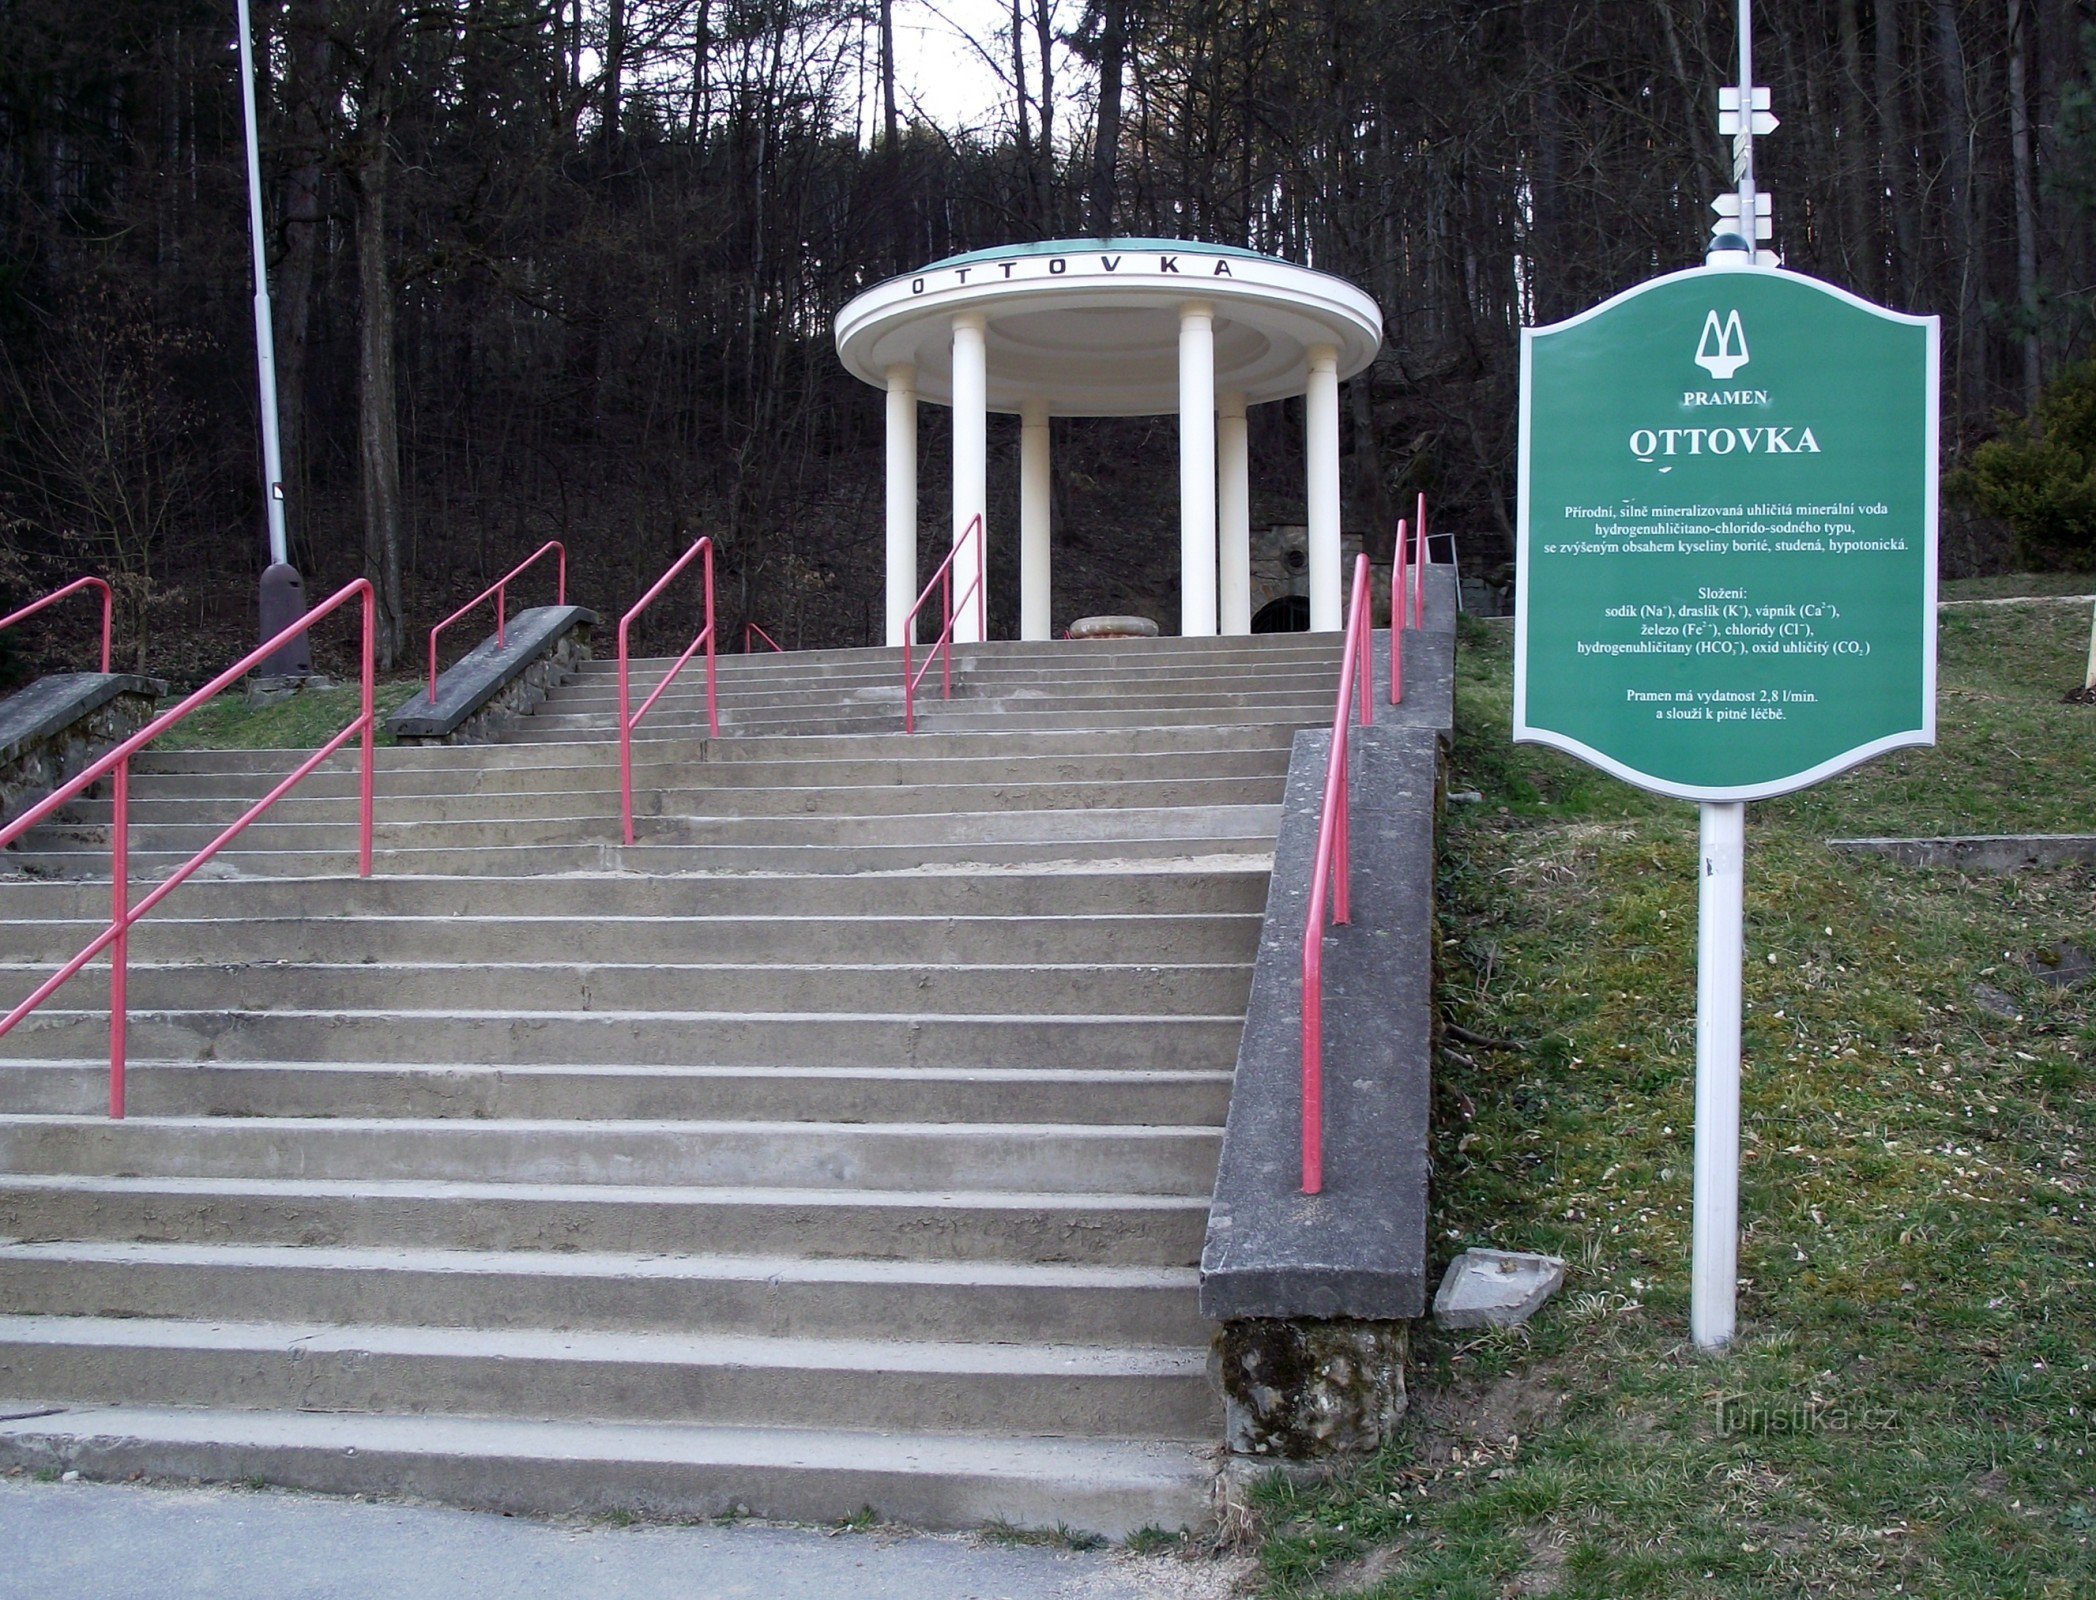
(58, 726)
(494, 686)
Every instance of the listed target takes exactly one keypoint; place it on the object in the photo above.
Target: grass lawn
(1907, 1408)
(303, 722)
(2017, 583)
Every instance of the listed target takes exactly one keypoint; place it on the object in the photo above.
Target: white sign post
(1720, 957)
(1721, 911)
(1726, 577)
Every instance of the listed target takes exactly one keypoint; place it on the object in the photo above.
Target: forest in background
(566, 268)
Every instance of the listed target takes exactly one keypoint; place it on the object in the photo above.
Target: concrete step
(1168, 939)
(470, 984)
(595, 774)
(954, 717)
(1242, 851)
(394, 812)
(1174, 1043)
(1048, 653)
(656, 1471)
(602, 696)
(775, 1296)
(1170, 889)
(1078, 1094)
(1087, 1157)
(941, 813)
(717, 1379)
(1045, 653)
(976, 744)
(823, 1223)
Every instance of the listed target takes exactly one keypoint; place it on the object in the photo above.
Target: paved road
(134, 1542)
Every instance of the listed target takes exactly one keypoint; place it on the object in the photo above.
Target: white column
(1196, 470)
(1034, 497)
(1321, 454)
(1233, 514)
(1714, 1213)
(902, 496)
(971, 451)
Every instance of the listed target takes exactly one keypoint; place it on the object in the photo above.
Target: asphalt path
(97, 1541)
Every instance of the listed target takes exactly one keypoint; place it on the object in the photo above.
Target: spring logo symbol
(1723, 348)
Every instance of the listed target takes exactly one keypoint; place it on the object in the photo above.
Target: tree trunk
(1860, 249)
(891, 148)
(1899, 156)
(614, 73)
(378, 417)
(1106, 138)
(695, 123)
(1966, 261)
(1549, 245)
(309, 57)
(1029, 198)
(2026, 205)
(1044, 39)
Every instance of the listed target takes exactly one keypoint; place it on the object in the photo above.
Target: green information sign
(1727, 534)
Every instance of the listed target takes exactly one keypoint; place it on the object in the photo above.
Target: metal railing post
(370, 720)
(1419, 566)
(1365, 669)
(1398, 598)
(942, 651)
(712, 703)
(707, 637)
(500, 590)
(946, 642)
(625, 745)
(115, 764)
(120, 920)
(1331, 871)
(58, 594)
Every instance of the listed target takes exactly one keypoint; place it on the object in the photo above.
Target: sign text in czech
(1727, 533)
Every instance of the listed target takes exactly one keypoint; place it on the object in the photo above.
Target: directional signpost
(1727, 579)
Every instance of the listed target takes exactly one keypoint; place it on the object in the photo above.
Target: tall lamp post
(283, 599)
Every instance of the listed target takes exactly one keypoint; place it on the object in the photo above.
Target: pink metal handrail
(500, 590)
(751, 632)
(628, 723)
(1399, 601)
(57, 595)
(1331, 874)
(942, 647)
(116, 765)
(1419, 564)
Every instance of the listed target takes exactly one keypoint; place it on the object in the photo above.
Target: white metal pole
(1035, 511)
(1721, 936)
(902, 498)
(265, 334)
(971, 449)
(1197, 613)
(1321, 452)
(1233, 514)
(1743, 147)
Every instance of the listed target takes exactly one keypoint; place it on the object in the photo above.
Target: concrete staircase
(845, 1142)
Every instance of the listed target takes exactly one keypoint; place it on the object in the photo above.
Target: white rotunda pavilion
(1115, 328)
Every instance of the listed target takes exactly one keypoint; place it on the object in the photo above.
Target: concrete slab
(1496, 1288)
(1982, 852)
(1358, 1249)
(469, 687)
